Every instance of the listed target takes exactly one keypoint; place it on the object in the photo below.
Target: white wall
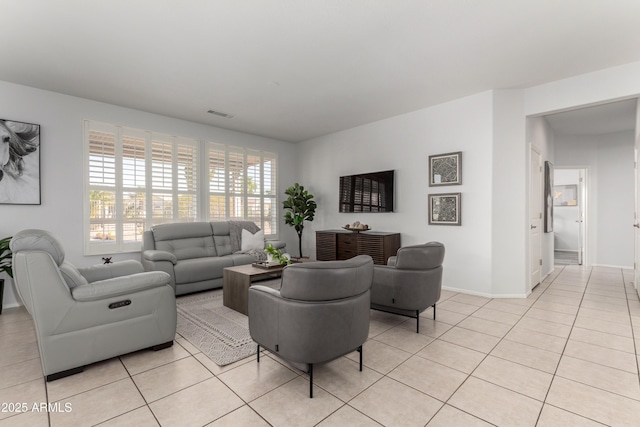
(404, 143)
(540, 136)
(60, 118)
(610, 192)
(509, 196)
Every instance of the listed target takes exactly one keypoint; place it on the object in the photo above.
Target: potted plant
(300, 208)
(5, 264)
(277, 255)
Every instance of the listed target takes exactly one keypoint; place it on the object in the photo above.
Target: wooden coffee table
(236, 282)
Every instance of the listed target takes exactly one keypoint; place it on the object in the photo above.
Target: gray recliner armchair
(86, 315)
(410, 282)
(320, 313)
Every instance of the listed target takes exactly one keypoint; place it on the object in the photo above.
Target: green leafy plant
(277, 255)
(5, 256)
(300, 208)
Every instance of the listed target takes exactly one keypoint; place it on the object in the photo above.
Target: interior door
(636, 263)
(535, 218)
(582, 197)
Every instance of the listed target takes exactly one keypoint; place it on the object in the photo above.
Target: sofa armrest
(119, 286)
(156, 255)
(99, 272)
(392, 261)
(263, 315)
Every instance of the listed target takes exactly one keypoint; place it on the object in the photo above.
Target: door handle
(636, 225)
(535, 226)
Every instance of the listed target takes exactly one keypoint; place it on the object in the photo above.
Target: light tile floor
(567, 355)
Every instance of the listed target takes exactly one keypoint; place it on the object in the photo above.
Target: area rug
(218, 331)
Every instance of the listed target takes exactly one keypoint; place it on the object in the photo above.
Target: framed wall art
(445, 169)
(445, 209)
(548, 197)
(19, 163)
(565, 195)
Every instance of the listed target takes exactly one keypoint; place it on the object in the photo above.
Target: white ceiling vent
(218, 113)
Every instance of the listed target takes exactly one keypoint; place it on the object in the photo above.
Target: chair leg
(417, 322)
(162, 346)
(310, 380)
(258, 353)
(63, 374)
(360, 351)
(434, 311)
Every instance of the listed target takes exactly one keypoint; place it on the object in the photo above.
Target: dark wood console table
(334, 245)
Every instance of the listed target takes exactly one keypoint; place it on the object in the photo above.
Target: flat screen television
(367, 192)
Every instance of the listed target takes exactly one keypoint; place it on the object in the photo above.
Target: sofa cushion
(252, 241)
(185, 240)
(72, 276)
(196, 247)
(200, 269)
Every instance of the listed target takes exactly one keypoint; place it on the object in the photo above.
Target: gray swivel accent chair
(410, 282)
(320, 313)
(86, 315)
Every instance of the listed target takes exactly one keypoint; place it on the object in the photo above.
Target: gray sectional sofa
(195, 253)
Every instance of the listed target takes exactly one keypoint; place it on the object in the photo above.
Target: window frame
(200, 209)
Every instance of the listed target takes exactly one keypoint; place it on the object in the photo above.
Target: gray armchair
(410, 282)
(320, 313)
(82, 316)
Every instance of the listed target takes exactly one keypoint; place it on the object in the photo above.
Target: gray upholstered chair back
(420, 257)
(410, 282)
(320, 313)
(325, 281)
(38, 240)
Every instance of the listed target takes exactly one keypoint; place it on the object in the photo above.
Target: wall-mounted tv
(367, 192)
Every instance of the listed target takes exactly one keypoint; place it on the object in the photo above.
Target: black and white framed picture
(19, 163)
(445, 169)
(444, 209)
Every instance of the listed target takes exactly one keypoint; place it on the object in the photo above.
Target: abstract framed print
(444, 209)
(19, 163)
(445, 169)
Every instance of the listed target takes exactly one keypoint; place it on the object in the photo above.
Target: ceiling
(607, 118)
(293, 70)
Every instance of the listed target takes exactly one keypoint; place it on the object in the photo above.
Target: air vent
(218, 113)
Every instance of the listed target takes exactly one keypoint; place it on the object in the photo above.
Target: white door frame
(583, 206)
(535, 222)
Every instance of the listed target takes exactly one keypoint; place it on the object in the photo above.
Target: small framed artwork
(444, 209)
(565, 195)
(19, 163)
(445, 169)
(548, 197)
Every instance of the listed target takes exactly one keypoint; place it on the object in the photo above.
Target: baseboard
(624, 267)
(484, 294)
(12, 305)
(566, 250)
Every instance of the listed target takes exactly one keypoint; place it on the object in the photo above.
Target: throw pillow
(252, 241)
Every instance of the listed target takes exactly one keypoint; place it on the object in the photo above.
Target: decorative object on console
(300, 209)
(357, 227)
(445, 169)
(19, 163)
(548, 197)
(5, 264)
(444, 209)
